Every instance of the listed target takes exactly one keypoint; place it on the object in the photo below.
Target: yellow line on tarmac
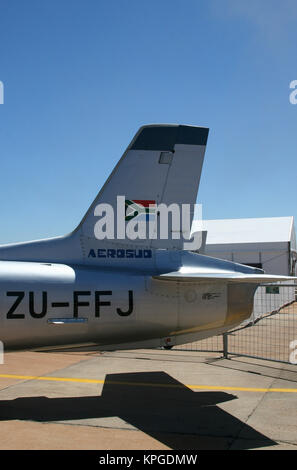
(55, 379)
(147, 384)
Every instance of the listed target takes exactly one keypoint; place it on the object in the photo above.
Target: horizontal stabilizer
(192, 276)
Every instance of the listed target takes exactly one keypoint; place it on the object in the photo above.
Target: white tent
(269, 243)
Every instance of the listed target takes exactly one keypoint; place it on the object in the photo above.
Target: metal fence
(270, 333)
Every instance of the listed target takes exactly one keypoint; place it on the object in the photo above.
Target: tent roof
(258, 230)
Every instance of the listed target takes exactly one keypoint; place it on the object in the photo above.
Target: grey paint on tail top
(166, 137)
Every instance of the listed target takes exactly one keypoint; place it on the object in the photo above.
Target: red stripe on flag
(144, 203)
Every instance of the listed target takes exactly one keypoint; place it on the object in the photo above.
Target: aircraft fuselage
(44, 304)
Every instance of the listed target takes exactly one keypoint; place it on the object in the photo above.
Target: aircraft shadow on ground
(152, 402)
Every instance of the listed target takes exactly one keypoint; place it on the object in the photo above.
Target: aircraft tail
(162, 165)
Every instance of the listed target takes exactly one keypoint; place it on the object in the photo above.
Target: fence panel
(270, 333)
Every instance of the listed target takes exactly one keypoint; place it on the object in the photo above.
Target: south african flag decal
(137, 207)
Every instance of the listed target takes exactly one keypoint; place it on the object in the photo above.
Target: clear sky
(81, 76)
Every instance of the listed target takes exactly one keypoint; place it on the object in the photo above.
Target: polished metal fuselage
(52, 304)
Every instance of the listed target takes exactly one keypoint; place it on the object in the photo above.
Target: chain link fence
(270, 333)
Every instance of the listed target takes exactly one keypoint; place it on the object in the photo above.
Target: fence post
(1, 353)
(225, 345)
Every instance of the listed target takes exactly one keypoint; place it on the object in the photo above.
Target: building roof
(260, 230)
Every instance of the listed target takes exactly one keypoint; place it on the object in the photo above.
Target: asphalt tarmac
(146, 399)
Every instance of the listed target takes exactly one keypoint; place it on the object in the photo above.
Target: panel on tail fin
(162, 164)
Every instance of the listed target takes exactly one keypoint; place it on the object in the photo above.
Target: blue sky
(80, 77)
